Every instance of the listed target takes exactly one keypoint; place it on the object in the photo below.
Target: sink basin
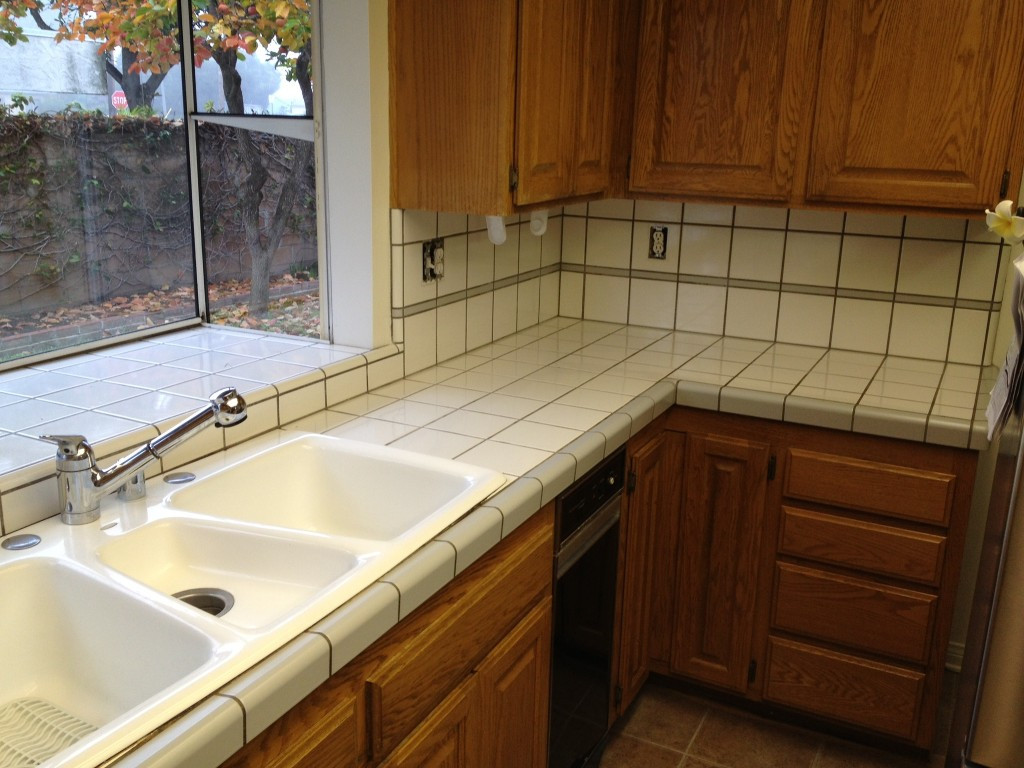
(78, 653)
(268, 576)
(340, 487)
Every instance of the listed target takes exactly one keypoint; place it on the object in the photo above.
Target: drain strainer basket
(32, 731)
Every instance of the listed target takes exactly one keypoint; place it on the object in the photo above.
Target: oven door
(582, 649)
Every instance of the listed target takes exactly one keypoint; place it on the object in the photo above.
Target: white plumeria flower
(1005, 223)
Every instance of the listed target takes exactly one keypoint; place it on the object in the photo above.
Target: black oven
(586, 554)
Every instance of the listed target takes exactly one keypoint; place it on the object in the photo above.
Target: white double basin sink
(96, 651)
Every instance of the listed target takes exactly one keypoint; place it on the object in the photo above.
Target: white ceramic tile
(103, 367)
(506, 255)
(203, 737)
(147, 352)
(202, 387)
(273, 372)
(652, 302)
(569, 416)
(704, 250)
(529, 250)
(535, 390)
(805, 319)
(445, 395)
(700, 308)
(595, 400)
(414, 289)
(475, 424)
(504, 457)
(420, 341)
(967, 337)
(92, 395)
(929, 268)
(261, 417)
(302, 402)
(757, 255)
(551, 242)
(40, 383)
(574, 240)
(268, 347)
(938, 227)
(18, 451)
(751, 314)
(479, 259)
(700, 213)
(920, 331)
(570, 295)
(641, 248)
(609, 243)
(979, 273)
(506, 311)
(29, 504)
(451, 223)
(29, 415)
(763, 217)
(433, 442)
(531, 434)
(528, 303)
(370, 430)
(418, 226)
(549, 295)
(816, 221)
(874, 224)
(381, 372)
(664, 211)
(411, 412)
(612, 208)
(397, 276)
(96, 426)
(606, 298)
(811, 259)
(208, 362)
(869, 263)
(345, 386)
(151, 407)
(861, 325)
(473, 536)
(504, 405)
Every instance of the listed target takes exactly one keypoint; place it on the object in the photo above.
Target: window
(99, 202)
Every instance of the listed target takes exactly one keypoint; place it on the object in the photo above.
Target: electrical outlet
(658, 242)
(433, 259)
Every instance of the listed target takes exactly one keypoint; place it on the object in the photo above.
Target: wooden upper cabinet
(501, 105)
(916, 103)
(724, 97)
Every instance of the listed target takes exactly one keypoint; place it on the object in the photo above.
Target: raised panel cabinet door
(548, 92)
(917, 103)
(724, 96)
(448, 738)
(723, 516)
(600, 25)
(514, 682)
(452, 121)
(638, 534)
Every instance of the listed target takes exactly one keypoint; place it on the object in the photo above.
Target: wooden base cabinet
(805, 567)
(465, 675)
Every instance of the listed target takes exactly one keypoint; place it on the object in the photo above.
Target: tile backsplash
(912, 286)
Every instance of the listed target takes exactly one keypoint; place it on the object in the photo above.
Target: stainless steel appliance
(586, 556)
(988, 719)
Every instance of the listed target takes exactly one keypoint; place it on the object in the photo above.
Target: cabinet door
(453, 67)
(917, 113)
(600, 21)
(724, 97)
(514, 684)
(448, 738)
(638, 540)
(723, 516)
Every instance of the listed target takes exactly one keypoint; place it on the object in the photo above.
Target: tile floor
(666, 728)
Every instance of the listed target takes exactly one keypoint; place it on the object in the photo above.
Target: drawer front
(883, 697)
(881, 549)
(446, 640)
(854, 612)
(870, 486)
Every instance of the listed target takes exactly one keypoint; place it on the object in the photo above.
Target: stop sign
(119, 100)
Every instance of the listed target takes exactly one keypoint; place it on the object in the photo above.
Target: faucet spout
(81, 483)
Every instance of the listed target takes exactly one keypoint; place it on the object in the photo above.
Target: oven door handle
(588, 534)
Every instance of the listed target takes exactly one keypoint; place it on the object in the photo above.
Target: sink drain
(214, 601)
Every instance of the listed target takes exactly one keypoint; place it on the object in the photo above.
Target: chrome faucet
(81, 484)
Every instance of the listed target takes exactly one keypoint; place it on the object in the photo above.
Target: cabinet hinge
(513, 178)
(771, 467)
(1004, 185)
(751, 672)
(618, 696)
(630, 482)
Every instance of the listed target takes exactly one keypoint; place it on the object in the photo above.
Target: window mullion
(188, 75)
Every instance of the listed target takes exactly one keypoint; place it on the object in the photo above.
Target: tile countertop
(543, 406)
